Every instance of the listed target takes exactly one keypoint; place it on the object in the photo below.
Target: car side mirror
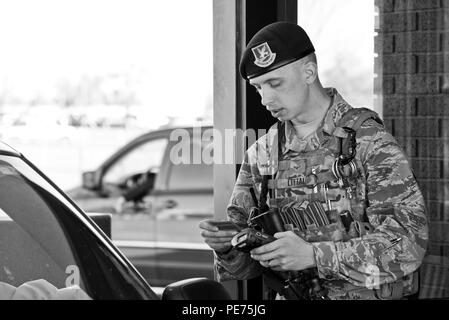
(196, 289)
(90, 180)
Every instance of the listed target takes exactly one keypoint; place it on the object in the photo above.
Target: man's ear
(310, 72)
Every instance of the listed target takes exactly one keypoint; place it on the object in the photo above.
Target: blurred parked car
(159, 231)
(46, 238)
(39, 124)
(39, 131)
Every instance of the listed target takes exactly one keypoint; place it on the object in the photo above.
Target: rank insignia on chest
(299, 180)
(300, 166)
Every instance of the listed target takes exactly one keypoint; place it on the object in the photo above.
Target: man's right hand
(220, 241)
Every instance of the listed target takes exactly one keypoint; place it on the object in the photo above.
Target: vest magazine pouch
(292, 214)
(305, 214)
(312, 222)
(316, 210)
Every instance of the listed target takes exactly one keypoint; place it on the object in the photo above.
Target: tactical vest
(319, 194)
(320, 201)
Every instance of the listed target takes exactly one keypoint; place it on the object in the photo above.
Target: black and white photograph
(227, 156)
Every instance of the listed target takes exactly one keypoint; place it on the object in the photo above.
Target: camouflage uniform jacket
(344, 266)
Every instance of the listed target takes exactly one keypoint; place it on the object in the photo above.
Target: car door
(134, 230)
(51, 250)
(180, 203)
(120, 172)
(123, 171)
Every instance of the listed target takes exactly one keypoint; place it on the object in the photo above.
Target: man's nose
(267, 96)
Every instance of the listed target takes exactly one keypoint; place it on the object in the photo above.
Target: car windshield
(46, 249)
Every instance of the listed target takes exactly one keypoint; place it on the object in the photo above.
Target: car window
(138, 160)
(48, 249)
(189, 174)
(28, 226)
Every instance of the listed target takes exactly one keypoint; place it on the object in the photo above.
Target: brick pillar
(412, 86)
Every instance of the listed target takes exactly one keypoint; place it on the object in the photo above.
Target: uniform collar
(335, 111)
(292, 142)
(338, 107)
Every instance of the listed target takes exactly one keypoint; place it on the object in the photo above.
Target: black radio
(261, 229)
(249, 239)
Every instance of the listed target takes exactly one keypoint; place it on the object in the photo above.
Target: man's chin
(282, 117)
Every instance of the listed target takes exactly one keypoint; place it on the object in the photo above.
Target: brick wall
(412, 88)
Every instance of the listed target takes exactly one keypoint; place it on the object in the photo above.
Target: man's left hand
(288, 253)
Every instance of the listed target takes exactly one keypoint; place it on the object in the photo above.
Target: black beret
(274, 46)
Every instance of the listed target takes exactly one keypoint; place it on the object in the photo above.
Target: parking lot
(63, 161)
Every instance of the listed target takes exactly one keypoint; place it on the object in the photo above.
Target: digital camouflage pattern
(384, 193)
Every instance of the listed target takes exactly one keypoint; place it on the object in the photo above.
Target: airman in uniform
(355, 224)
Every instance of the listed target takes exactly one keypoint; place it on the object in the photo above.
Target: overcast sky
(168, 44)
(165, 46)
(342, 32)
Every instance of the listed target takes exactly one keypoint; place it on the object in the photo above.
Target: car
(159, 231)
(40, 128)
(47, 240)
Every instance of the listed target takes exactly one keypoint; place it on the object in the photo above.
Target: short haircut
(311, 58)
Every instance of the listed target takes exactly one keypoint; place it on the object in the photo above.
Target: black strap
(279, 284)
(281, 138)
(263, 206)
(273, 281)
